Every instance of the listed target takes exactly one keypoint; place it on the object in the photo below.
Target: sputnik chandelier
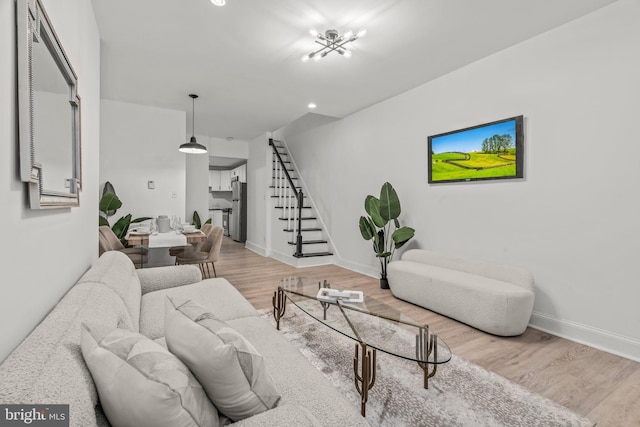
(331, 41)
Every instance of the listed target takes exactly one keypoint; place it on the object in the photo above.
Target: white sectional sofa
(494, 298)
(48, 366)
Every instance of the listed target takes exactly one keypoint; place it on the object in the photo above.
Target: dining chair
(199, 247)
(108, 241)
(205, 259)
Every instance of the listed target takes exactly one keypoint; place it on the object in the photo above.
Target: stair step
(273, 186)
(313, 254)
(304, 218)
(294, 207)
(302, 229)
(309, 242)
(289, 197)
(288, 170)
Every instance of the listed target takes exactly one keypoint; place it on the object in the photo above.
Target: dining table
(158, 244)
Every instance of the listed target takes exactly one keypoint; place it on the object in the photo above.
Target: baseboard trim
(255, 248)
(301, 262)
(367, 270)
(619, 345)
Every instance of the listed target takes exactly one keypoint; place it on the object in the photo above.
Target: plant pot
(384, 283)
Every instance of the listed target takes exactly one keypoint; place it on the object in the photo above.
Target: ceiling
(243, 59)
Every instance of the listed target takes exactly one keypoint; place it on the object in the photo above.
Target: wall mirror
(49, 112)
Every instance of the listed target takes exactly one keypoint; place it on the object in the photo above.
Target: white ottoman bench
(494, 298)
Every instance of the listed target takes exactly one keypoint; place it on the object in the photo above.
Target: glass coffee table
(373, 324)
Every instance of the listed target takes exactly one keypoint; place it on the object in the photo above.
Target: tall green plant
(382, 225)
(109, 204)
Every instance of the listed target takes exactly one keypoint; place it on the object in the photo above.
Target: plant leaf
(402, 235)
(142, 218)
(109, 203)
(196, 220)
(389, 203)
(102, 221)
(384, 255)
(108, 189)
(366, 228)
(207, 221)
(372, 206)
(121, 226)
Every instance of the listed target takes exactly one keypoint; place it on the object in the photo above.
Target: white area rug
(460, 394)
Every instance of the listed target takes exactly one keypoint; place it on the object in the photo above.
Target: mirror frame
(33, 23)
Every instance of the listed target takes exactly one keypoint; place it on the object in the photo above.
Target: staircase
(299, 222)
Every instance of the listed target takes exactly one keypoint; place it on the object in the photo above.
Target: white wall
(573, 220)
(45, 252)
(197, 182)
(258, 181)
(140, 144)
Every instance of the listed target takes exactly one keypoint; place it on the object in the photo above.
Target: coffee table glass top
(372, 321)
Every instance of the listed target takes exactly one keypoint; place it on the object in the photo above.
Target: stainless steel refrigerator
(238, 214)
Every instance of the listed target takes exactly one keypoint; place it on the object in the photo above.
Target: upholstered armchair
(205, 259)
(108, 241)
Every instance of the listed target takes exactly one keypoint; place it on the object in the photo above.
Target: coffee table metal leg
(279, 306)
(366, 379)
(425, 345)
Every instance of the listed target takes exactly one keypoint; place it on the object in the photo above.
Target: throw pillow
(229, 368)
(140, 383)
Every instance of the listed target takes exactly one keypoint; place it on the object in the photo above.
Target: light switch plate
(151, 185)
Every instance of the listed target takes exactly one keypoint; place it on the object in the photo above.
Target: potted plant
(383, 227)
(109, 204)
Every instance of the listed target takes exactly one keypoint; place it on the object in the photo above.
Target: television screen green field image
(483, 152)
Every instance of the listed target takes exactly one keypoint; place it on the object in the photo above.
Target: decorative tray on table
(333, 295)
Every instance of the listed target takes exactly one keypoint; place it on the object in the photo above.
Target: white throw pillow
(229, 368)
(140, 383)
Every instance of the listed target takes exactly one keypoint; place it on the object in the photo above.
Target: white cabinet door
(215, 180)
(225, 180)
(240, 172)
(217, 219)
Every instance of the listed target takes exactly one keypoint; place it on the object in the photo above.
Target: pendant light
(192, 147)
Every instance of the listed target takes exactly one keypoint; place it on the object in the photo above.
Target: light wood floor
(603, 387)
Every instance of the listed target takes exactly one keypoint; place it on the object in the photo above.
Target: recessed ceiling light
(311, 105)
(219, 2)
(230, 138)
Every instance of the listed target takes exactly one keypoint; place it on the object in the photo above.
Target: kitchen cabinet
(220, 180)
(225, 180)
(240, 173)
(214, 180)
(216, 218)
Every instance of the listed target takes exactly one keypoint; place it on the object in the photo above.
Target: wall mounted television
(489, 151)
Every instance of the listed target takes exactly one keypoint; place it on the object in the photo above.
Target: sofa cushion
(217, 295)
(140, 383)
(116, 271)
(295, 378)
(154, 279)
(229, 368)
